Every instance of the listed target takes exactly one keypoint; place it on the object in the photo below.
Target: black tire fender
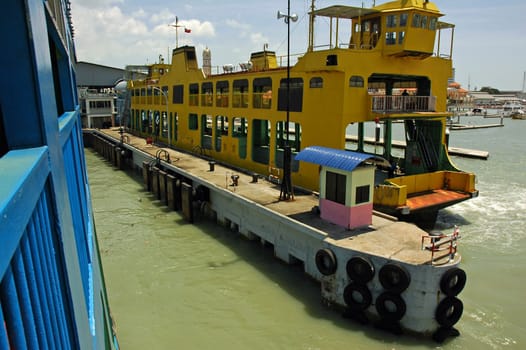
(326, 262)
(390, 306)
(360, 303)
(394, 278)
(449, 311)
(360, 269)
(453, 282)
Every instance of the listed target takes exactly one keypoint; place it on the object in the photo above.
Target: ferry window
(335, 186)
(357, 28)
(391, 21)
(240, 126)
(362, 194)
(332, 60)
(316, 82)
(403, 19)
(207, 91)
(356, 81)
(222, 93)
(240, 93)
(390, 38)
(401, 36)
(192, 121)
(294, 135)
(222, 125)
(287, 134)
(416, 20)
(221, 130)
(366, 26)
(262, 93)
(423, 25)
(164, 124)
(143, 92)
(296, 95)
(433, 23)
(178, 94)
(194, 94)
(240, 132)
(206, 131)
(144, 121)
(261, 141)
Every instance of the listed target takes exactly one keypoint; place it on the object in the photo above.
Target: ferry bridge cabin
(239, 115)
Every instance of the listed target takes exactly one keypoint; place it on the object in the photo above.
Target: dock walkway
(384, 239)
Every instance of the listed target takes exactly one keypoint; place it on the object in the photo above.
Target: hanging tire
(326, 262)
(360, 269)
(357, 296)
(390, 306)
(449, 311)
(453, 282)
(394, 278)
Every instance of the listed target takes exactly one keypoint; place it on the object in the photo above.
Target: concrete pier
(404, 269)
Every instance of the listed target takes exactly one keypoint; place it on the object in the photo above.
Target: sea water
(174, 285)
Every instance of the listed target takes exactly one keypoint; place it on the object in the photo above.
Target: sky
(489, 42)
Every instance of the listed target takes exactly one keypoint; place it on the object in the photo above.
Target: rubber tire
(444, 316)
(394, 278)
(326, 262)
(360, 269)
(446, 286)
(384, 312)
(352, 303)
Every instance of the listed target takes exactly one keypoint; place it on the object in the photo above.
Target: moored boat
(249, 117)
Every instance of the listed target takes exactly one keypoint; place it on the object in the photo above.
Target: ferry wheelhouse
(387, 81)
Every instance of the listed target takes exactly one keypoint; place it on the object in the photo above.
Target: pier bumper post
(162, 187)
(147, 176)
(187, 198)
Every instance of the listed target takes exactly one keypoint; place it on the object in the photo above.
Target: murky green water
(173, 285)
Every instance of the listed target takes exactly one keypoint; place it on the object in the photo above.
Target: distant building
(97, 96)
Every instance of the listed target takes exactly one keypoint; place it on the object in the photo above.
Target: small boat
(518, 114)
(512, 108)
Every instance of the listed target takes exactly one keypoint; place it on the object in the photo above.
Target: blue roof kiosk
(346, 185)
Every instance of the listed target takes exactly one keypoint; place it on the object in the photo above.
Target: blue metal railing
(35, 305)
(33, 298)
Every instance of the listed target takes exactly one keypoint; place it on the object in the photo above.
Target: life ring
(390, 306)
(326, 262)
(453, 282)
(449, 311)
(357, 296)
(394, 278)
(360, 269)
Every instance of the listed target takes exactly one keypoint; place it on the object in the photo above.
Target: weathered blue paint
(52, 293)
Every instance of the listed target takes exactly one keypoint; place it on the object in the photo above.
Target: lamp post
(286, 192)
(165, 95)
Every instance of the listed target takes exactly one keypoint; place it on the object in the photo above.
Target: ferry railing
(441, 246)
(401, 104)
(36, 303)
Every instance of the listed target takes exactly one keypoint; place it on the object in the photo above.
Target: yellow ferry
(354, 94)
